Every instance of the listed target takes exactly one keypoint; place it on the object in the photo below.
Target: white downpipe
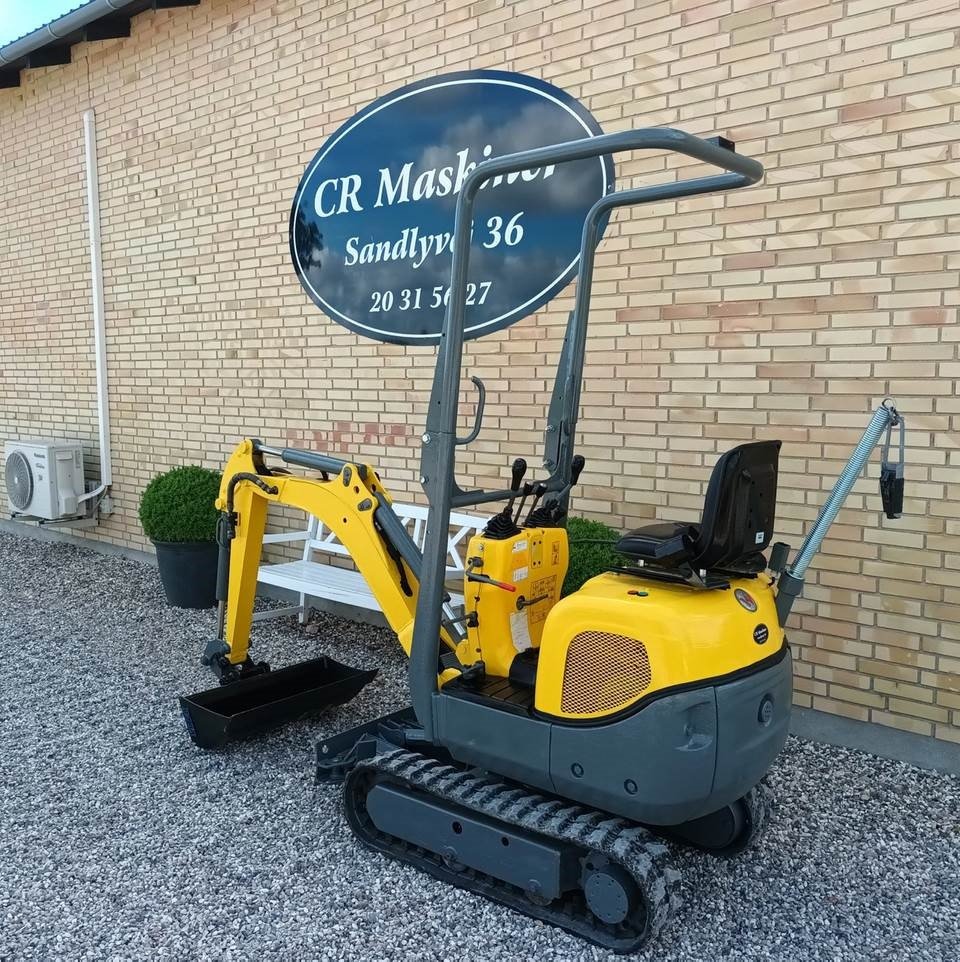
(96, 279)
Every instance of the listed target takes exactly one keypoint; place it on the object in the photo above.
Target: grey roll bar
(438, 453)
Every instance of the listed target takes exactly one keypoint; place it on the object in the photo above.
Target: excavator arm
(351, 501)
(348, 504)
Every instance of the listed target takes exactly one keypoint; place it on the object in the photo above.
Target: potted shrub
(178, 515)
(591, 552)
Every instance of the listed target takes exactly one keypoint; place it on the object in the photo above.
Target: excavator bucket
(253, 705)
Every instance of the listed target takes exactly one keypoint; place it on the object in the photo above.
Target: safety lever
(485, 580)
(478, 417)
(471, 575)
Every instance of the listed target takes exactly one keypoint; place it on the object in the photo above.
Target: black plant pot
(188, 572)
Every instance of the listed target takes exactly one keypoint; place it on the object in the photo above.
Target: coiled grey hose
(885, 416)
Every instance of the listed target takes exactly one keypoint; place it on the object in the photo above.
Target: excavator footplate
(253, 705)
(604, 879)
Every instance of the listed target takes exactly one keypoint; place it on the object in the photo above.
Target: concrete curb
(924, 751)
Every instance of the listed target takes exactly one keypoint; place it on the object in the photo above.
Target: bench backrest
(318, 537)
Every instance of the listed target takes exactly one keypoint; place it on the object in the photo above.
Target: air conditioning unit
(44, 478)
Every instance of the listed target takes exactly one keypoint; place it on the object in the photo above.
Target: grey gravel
(121, 840)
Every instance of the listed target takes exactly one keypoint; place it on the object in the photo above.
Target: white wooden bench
(312, 578)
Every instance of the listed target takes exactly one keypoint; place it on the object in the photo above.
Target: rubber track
(759, 802)
(632, 847)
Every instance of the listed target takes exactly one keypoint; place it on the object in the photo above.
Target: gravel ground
(121, 840)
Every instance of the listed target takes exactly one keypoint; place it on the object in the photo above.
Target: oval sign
(372, 220)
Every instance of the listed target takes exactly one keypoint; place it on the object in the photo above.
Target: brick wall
(788, 310)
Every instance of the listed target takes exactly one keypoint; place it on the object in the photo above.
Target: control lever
(532, 520)
(891, 473)
(528, 489)
(539, 490)
(501, 524)
(471, 574)
(517, 471)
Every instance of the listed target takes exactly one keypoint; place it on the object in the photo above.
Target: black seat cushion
(737, 521)
(667, 542)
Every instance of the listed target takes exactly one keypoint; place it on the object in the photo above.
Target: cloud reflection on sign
(372, 220)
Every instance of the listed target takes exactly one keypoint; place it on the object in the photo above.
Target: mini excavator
(552, 742)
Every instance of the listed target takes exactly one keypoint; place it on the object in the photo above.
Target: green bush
(178, 505)
(591, 551)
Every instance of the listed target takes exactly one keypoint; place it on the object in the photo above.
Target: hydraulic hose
(226, 530)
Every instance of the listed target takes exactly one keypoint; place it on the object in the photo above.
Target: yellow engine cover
(534, 563)
(620, 638)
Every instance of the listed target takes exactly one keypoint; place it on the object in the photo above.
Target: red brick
(871, 108)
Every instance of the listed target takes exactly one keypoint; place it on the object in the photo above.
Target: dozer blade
(254, 705)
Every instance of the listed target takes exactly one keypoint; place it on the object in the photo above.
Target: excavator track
(614, 884)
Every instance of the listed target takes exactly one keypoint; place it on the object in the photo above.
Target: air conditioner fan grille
(19, 480)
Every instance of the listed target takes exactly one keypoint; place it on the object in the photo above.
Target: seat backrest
(740, 506)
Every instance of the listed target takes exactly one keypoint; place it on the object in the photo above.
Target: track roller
(729, 830)
(611, 894)
(596, 876)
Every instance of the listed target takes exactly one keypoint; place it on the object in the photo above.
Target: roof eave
(42, 46)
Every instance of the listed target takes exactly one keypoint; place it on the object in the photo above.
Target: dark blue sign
(372, 220)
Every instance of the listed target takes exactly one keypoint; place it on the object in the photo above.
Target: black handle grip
(779, 554)
(891, 492)
(576, 468)
(517, 472)
(891, 472)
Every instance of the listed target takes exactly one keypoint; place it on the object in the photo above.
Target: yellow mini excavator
(552, 743)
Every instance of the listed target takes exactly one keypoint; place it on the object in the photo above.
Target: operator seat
(737, 522)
